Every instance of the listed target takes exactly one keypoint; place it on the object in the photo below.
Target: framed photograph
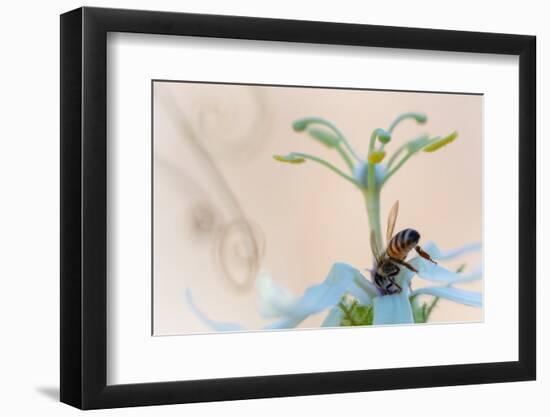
(257, 207)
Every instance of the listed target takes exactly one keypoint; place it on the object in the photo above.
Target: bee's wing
(374, 247)
(392, 217)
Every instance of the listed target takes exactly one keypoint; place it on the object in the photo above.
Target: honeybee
(389, 261)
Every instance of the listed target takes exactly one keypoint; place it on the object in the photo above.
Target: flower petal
(219, 326)
(274, 300)
(362, 289)
(360, 173)
(433, 272)
(334, 318)
(474, 275)
(438, 254)
(342, 279)
(404, 277)
(393, 309)
(470, 298)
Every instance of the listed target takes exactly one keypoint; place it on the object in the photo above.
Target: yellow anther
(291, 159)
(375, 157)
(439, 143)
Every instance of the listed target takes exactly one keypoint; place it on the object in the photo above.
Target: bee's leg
(405, 264)
(425, 255)
(379, 283)
(392, 282)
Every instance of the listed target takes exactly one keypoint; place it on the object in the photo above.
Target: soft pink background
(213, 147)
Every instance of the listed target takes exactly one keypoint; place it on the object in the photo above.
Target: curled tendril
(239, 249)
(203, 219)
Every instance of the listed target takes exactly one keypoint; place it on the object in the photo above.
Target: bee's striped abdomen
(402, 243)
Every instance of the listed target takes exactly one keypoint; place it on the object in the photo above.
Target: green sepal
(356, 314)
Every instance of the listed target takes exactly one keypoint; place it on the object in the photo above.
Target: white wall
(29, 224)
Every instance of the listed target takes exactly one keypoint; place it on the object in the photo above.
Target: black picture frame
(84, 207)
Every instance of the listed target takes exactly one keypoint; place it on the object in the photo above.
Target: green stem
(420, 118)
(346, 158)
(342, 138)
(372, 197)
(372, 200)
(327, 165)
(396, 168)
(395, 155)
(430, 308)
(399, 165)
(372, 141)
(413, 146)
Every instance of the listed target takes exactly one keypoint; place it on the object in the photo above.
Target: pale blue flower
(345, 285)
(288, 311)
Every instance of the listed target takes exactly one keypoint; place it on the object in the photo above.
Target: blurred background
(225, 210)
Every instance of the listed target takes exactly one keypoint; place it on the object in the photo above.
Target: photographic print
(287, 207)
